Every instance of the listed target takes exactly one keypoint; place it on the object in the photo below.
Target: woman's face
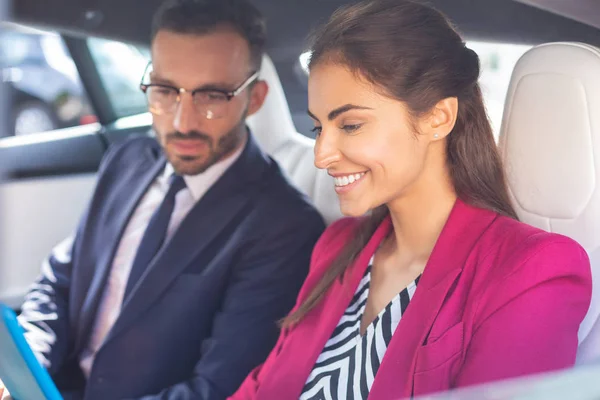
(365, 140)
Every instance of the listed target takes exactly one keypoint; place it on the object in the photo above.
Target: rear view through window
(45, 90)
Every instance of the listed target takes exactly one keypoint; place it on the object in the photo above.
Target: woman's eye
(316, 130)
(351, 128)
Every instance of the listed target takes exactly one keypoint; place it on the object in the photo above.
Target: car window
(121, 67)
(45, 89)
(18, 47)
(497, 62)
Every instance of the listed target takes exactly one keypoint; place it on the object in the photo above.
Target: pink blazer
(498, 299)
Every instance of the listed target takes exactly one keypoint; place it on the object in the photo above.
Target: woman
(440, 286)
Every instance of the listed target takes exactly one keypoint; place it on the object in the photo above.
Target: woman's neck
(419, 217)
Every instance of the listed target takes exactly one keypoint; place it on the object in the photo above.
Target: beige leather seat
(550, 144)
(275, 132)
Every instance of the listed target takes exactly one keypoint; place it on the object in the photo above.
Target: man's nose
(186, 117)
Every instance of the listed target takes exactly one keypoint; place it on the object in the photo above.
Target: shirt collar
(199, 184)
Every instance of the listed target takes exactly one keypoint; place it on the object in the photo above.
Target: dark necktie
(155, 234)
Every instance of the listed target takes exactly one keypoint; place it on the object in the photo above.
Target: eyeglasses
(212, 103)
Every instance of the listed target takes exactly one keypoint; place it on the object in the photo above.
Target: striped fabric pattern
(349, 362)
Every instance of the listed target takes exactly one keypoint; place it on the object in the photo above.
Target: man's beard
(194, 165)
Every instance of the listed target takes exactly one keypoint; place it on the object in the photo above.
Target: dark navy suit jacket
(205, 311)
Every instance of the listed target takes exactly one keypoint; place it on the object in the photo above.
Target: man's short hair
(205, 16)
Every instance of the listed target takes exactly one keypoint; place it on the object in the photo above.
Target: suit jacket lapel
(462, 230)
(139, 178)
(220, 208)
(310, 336)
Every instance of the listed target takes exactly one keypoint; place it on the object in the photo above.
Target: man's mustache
(192, 135)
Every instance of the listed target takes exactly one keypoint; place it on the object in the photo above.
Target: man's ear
(257, 96)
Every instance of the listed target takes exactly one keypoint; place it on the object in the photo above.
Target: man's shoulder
(130, 150)
(278, 196)
(133, 143)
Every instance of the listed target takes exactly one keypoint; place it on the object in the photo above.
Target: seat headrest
(550, 146)
(550, 140)
(274, 130)
(272, 125)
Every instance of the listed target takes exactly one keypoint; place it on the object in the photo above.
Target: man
(194, 244)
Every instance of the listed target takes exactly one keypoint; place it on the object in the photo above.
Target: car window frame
(91, 79)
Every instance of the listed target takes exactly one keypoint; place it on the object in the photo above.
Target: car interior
(550, 145)
(549, 136)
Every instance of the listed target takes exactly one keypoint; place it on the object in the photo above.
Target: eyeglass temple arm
(245, 84)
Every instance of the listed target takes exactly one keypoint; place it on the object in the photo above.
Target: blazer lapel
(221, 208)
(125, 202)
(310, 336)
(463, 228)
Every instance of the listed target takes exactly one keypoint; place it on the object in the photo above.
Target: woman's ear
(441, 119)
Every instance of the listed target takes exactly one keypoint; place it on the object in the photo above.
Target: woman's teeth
(341, 181)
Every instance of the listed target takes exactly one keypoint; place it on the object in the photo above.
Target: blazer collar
(138, 179)
(463, 228)
(221, 208)
(231, 190)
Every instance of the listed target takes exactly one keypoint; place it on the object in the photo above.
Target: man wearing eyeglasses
(194, 244)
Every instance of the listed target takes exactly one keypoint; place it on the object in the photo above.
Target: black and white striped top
(349, 362)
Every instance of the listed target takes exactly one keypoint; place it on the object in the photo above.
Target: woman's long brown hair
(412, 52)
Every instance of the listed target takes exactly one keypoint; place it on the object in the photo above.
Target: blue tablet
(22, 374)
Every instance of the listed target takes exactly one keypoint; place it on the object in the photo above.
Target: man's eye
(161, 91)
(316, 130)
(217, 96)
(212, 97)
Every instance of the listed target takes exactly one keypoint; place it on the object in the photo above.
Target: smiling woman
(432, 283)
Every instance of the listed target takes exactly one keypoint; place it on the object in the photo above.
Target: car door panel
(49, 180)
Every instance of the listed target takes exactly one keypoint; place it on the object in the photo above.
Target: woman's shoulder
(517, 244)
(530, 236)
(518, 259)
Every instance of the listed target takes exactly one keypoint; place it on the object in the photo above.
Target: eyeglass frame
(228, 94)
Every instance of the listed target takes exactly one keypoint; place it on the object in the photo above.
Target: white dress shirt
(112, 298)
